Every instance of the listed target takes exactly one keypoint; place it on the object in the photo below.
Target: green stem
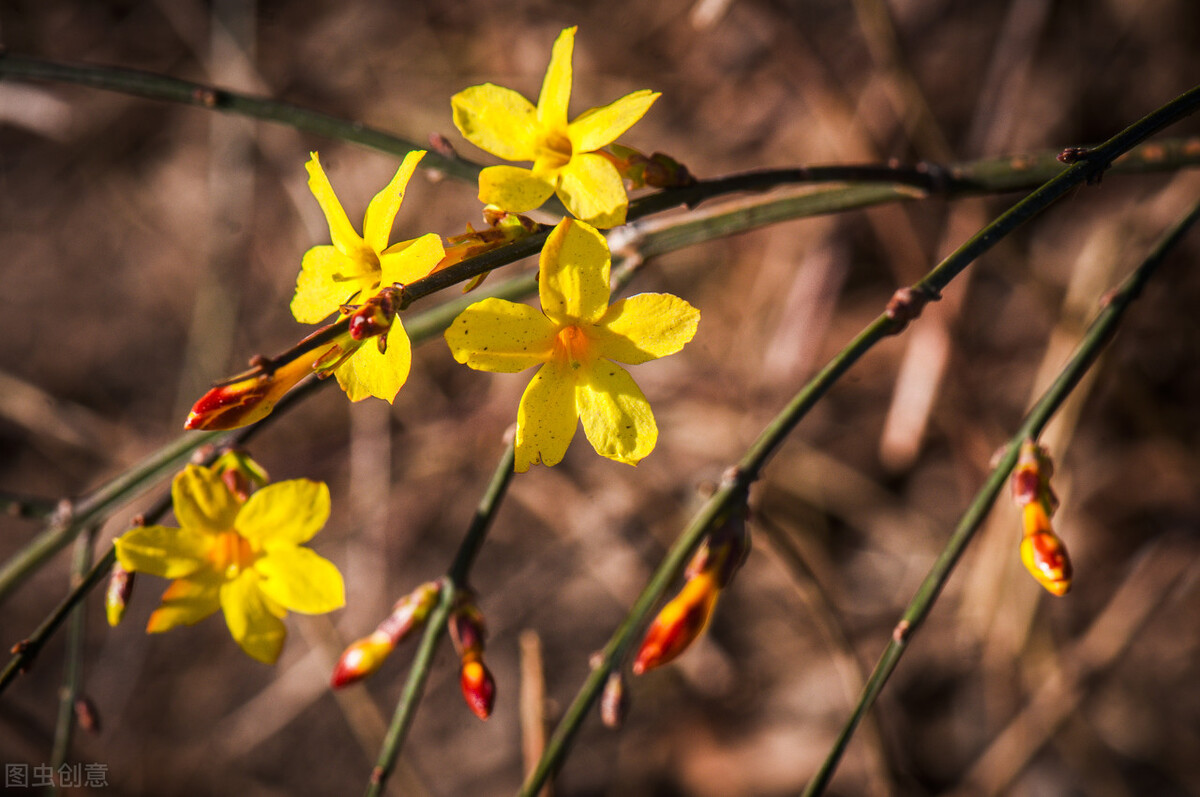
(161, 87)
(1097, 336)
(905, 306)
(452, 586)
(73, 672)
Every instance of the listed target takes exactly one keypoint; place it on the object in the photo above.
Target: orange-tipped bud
(120, 587)
(1043, 553)
(478, 686)
(364, 657)
(375, 315)
(678, 623)
(361, 658)
(614, 701)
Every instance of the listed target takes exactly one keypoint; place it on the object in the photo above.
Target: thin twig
(73, 671)
(1099, 333)
(162, 87)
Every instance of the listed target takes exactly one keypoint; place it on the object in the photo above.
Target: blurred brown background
(148, 249)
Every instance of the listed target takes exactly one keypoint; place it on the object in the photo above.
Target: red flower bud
(478, 686)
(120, 587)
(678, 623)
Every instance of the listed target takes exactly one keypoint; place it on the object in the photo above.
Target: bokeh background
(147, 249)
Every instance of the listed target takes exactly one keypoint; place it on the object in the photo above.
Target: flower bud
(362, 658)
(375, 316)
(1043, 553)
(478, 686)
(678, 623)
(120, 587)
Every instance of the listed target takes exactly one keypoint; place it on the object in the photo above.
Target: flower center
(572, 346)
(231, 554)
(556, 151)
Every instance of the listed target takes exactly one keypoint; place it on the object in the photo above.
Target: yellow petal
(202, 502)
(573, 274)
(645, 327)
(546, 417)
(591, 188)
(186, 601)
(497, 120)
(162, 551)
(556, 86)
(599, 127)
(616, 416)
(496, 335)
(381, 213)
(369, 373)
(513, 189)
(344, 236)
(329, 279)
(251, 623)
(284, 513)
(409, 261)
(301, 580)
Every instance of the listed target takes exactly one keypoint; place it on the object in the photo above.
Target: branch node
(906, 305)
(902, 632)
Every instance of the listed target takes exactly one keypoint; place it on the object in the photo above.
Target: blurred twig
(161, 87)
(1099, 333)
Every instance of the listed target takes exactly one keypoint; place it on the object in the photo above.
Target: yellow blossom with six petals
(564, 155)
(355, 267)
(577, 338)
(243, 557)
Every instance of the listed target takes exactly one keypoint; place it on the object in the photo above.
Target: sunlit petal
(202, 501)
(251, 622)
(556, 86)
(301, 580)
(573, 273)
(513, 189)
(546, 417)
(599, 127)
(344, 236)
(645, 327)
(591, 188)
(381, 213)
(327, 280)
(162, 551)
(616, 416)
(187, 601)
(501, 336)
(369, 373)
(284, 513)
(409, 261)
(497, 120)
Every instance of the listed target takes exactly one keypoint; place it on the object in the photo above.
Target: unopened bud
(478, 686)
(1043, 553)
(120, 587)
(678, 623)
(366, 655)
(614, 701)
(362, 658)
(375, 315)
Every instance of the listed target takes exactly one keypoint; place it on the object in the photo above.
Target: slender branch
(162, 87)
(73, 672)
(905, 306)
(452, 585)
(1097, 337)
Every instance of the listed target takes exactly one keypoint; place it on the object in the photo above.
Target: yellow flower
(243, 557)
(354, 268)
(577, 339)
(564, 156)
